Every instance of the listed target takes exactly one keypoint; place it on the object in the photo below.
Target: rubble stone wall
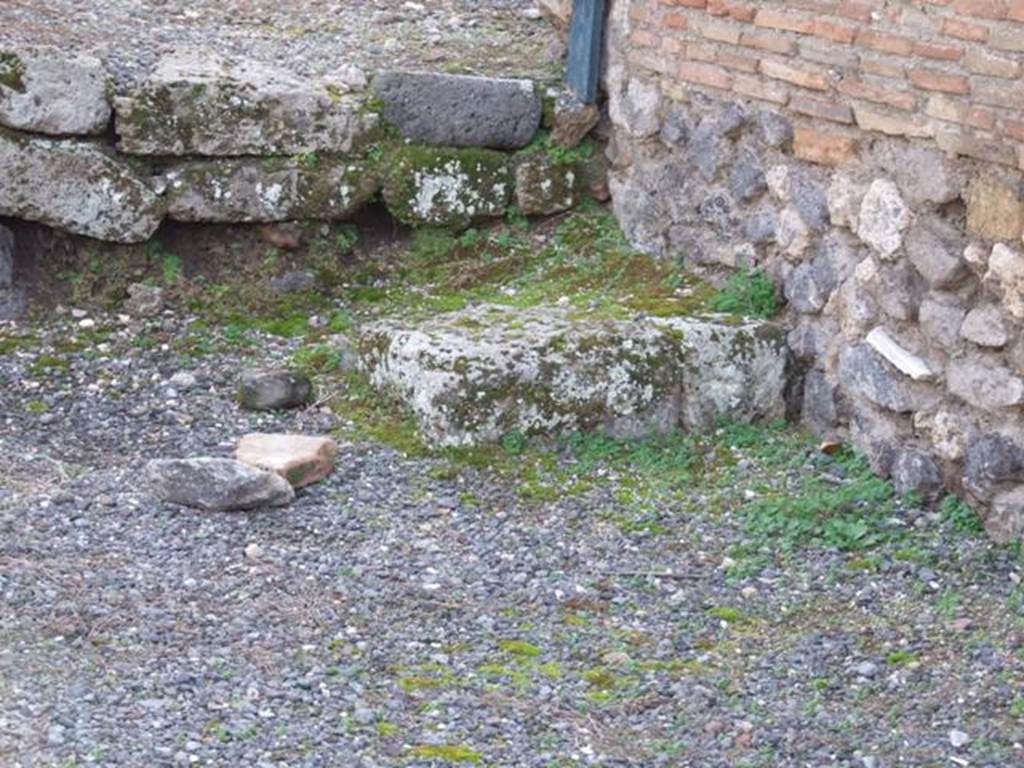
(867, 156)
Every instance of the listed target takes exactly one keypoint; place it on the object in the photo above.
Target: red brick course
(949, 70)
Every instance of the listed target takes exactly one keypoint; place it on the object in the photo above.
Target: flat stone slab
(217, 485)
(474, 376)
(197, 103)
(76, 186)
(267, 190)
(43, 90)
(458, 110)
(299, 459)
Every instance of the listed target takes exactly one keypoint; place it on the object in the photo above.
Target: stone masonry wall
(865, 155)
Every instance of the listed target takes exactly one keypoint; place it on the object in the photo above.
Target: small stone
(254, 551)
(216, 484)
(916, 471)
(1006, 269)
(267, 390)
(940, 318)
(866, 669)
(866, 374)
(993, 461)
(984, 383)
(935, 248)
(144, 300)
(958, 738)
(636, 109)
(985, 327)
(883, 217)
(773, 129)
(544, 187)
(183, 380)
(747, 181)
(994, 208)
(300, 459)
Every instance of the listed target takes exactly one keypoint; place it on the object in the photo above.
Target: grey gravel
(372, 618)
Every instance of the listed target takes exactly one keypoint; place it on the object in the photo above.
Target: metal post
(586, 37)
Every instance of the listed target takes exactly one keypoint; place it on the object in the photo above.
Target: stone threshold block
(473, 376)
(77, 186)
(197, 103)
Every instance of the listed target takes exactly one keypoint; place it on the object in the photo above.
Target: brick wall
(844, 70)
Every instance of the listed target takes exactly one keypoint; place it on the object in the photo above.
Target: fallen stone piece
(217, 485)
(573, 120)
(447, 187)
(267, 190)
(76, 186)
(474, 376)
(901, 359)
(458, 110)
(267, 390)
(198, 103)
(299, 459)
(44, 90)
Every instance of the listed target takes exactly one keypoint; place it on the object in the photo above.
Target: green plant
(317, 359)
(960, 517)
(749, 292)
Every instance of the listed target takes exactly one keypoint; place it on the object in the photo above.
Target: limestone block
(44, 90)
(474, 376)
(447, 187)
(267, 190)
(76, 186)
(198, 103)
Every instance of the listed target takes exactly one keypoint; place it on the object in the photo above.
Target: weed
(449, 753)
(519, 648)
(317, 359)
(749, 292)
(960, 517)
(901, 658)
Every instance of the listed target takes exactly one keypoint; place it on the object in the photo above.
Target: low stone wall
(900, 262)
(208, 140)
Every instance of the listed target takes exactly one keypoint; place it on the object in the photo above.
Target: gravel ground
(496, 37)
(426, 612)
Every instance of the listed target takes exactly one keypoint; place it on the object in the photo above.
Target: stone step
(474, 376)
